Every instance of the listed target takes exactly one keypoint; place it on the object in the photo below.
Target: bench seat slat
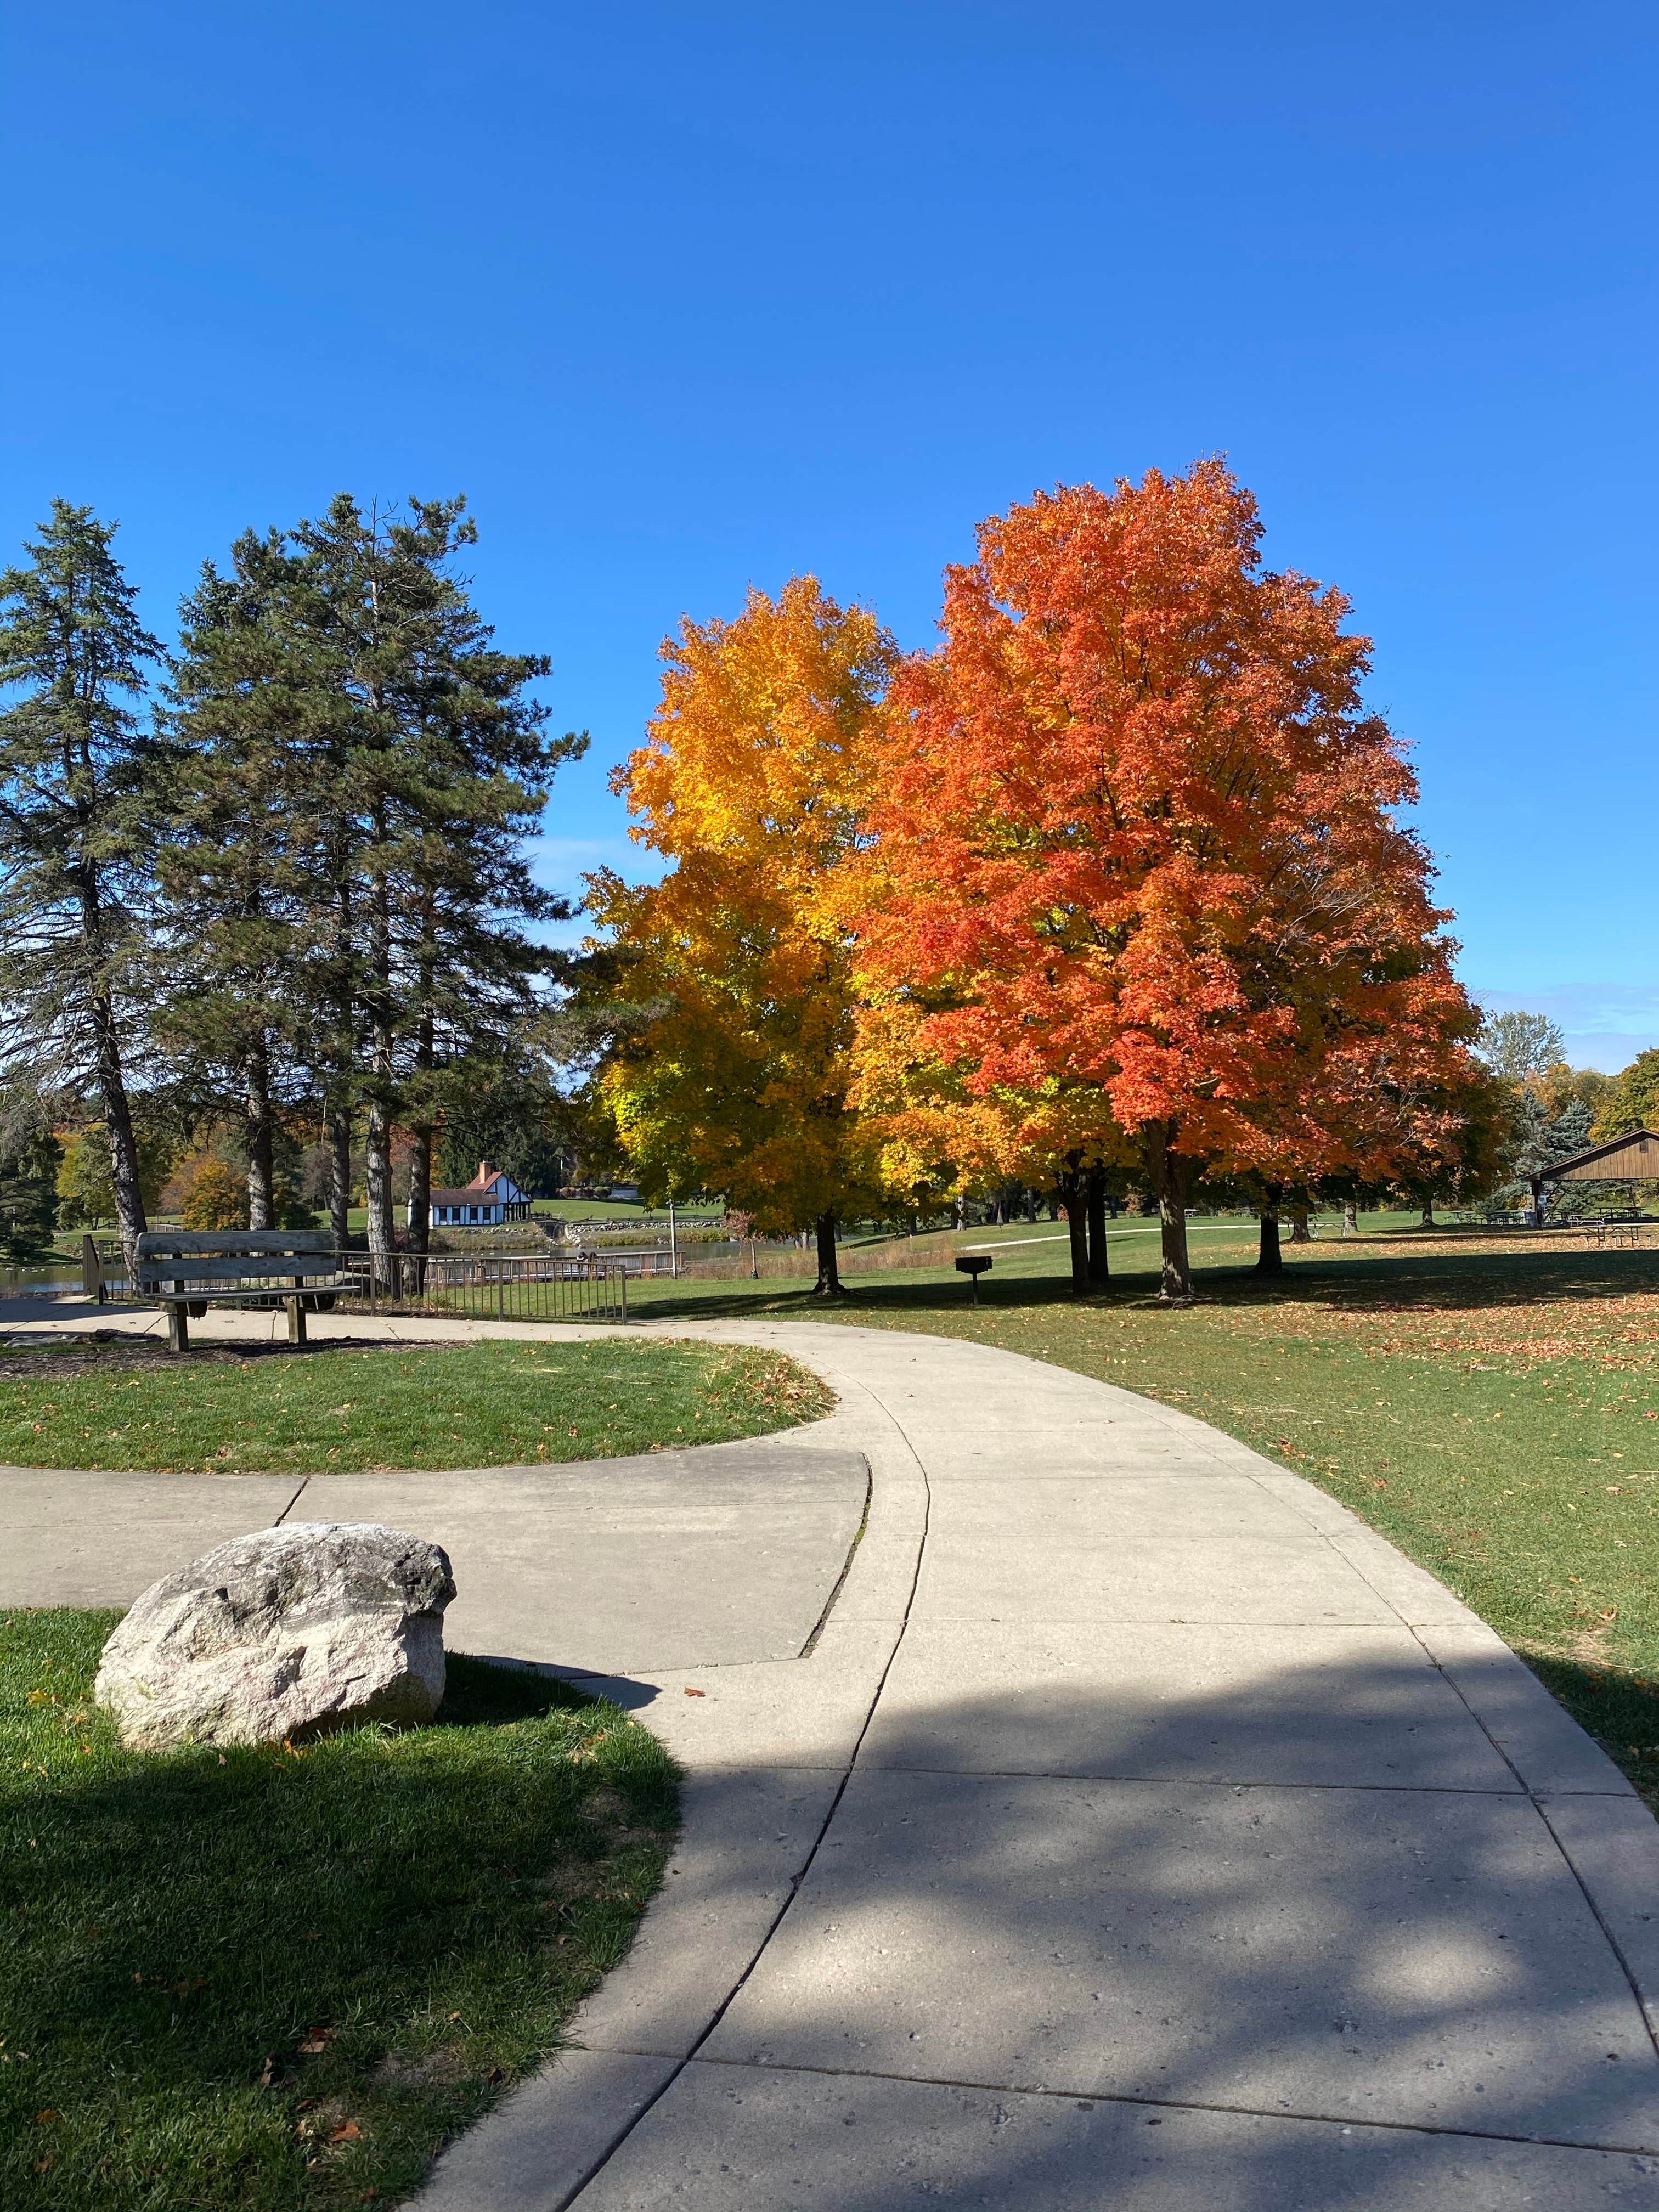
(230, 1243)
(204, 1297)
(190, 1270)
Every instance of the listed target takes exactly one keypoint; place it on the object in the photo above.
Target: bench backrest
(233, 1255)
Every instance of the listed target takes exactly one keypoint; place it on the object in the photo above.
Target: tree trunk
(1268, 1260)
(1170, 1175)
(376, 1174)
(1069, 1185)
(260, 1138)
(423, 1131)
(111, 1086)
(339, 1193)
(420, 1192)
(1428, 1214)
(1100, 1273)
(1300, 1224)
(1349, 1217)
(382, 1233)
(829, 1283)
(118, 1129)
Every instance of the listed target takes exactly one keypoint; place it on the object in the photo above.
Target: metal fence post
(623, 1279)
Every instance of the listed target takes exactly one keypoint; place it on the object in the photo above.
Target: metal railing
(495, 1285)
(482, 1286)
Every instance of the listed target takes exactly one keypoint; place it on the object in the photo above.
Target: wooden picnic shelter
(1633, 1157)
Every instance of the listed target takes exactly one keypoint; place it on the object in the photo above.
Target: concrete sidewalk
(1140, 1831)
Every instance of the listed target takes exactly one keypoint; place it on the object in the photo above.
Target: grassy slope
(483, 1405)
(1489, 1405)
(278, 1980)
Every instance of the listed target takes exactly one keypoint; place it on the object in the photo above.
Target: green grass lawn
(337, 1410)
(1488, 1404)
(279, 1979)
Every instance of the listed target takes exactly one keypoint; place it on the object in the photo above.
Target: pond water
(38, 1282)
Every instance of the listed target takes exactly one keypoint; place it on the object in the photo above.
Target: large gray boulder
(287, 1633)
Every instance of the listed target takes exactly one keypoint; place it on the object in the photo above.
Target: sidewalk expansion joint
(806, 1649)
(1087, 2097)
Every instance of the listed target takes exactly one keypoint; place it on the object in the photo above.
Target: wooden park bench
(187, 1270)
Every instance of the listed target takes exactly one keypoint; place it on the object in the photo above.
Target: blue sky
(686, 297)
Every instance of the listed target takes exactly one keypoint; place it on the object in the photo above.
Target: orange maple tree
(1137, 843)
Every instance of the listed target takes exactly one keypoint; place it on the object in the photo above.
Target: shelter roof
(1634, 1154)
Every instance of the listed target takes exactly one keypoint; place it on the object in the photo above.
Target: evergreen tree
(73, 880)
(442, 772)
(245, 1001)
(1568, 1135)
(1543, 1139)
(358, 768)
(30, 1156)
(518, 1124)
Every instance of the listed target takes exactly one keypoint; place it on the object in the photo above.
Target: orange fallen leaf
(350, 2133)
(696, 1693)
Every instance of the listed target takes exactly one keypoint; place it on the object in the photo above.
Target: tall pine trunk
(1069, 1184)
(828, 1284)
(1100, 1271)
(423, 1131)
(377, 1179)
(420, 1191)
(382, 1234)
(339, 1184)
(1169, 1176)
(1269, 1261)
(112, 1085)
(118, 1127)
(259, 1138)
(342, 1048)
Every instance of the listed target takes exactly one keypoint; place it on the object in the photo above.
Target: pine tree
(74, 879)
(245, 892)
(30, 1156)
(442, 772)
(358, 769)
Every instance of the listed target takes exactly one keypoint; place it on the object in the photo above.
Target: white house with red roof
(491, 1197)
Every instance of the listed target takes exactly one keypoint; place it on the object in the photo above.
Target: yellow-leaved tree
(735, 1077)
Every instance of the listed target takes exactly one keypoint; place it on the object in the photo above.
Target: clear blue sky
(685, 296)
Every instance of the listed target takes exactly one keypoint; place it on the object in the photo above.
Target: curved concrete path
(1139, 1831)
